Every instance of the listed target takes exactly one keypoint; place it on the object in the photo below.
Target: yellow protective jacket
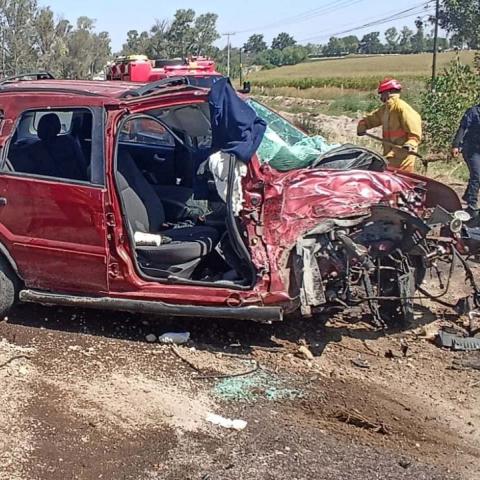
(402, 125)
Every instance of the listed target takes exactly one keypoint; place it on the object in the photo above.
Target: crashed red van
(152, 198)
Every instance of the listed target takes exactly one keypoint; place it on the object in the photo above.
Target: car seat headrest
(49, 126)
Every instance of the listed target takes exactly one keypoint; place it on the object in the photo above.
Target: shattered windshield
(284, 129)
(284, 146)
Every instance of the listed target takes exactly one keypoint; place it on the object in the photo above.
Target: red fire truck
(200, 71)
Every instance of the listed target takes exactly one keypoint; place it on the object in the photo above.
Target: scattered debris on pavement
(304, 352)
(457, 342)
(226, 422)
(260, 385)
(178, 338)
(355, 418)
(151, 338)
(360, 363)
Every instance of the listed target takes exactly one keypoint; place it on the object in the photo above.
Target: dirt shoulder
(85, 396)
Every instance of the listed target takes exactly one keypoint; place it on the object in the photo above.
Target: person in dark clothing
(467, 141)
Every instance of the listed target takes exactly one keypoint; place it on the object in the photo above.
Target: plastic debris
(456, 342)
(305, 353)
(174, 337)
(226, 422)
(360, 363)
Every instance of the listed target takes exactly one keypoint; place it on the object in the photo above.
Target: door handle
(158, 158)
(3, 201)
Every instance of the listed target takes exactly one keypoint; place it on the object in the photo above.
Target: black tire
(8, 287)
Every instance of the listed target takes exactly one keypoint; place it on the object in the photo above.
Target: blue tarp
(236, 128)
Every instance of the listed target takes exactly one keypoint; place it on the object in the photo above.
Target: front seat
(145, 213)
(57, 155)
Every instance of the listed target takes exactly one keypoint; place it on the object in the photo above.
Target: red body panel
(55, 232)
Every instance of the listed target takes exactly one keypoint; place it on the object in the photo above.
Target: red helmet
(389, 84)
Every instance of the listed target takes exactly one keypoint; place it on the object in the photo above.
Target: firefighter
(467, 141)
(402, 126)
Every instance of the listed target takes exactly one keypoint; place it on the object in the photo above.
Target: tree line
(34, 38)
(404, 40)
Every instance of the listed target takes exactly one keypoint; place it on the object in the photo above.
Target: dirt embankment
(305, 113)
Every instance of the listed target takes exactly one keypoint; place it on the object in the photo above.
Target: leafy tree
(158, 43)
(335, 46)
(264, 59)
(186, 35)
(371, 43)
(405, 43)
(86, 51)
(443, 43)
(314, 49)
(49, 39)
(282, 41)
(418, 39)
(136, 43)
(443, 105)
(293, 55)
(351, 44)
(17, 25)
(462, 17)
(275, 57)
(255, 44)
(206, 33)
(457, 41)
(392, 37)
(220, 56)
(181, 34)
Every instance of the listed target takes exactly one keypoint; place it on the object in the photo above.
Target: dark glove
(361, 128)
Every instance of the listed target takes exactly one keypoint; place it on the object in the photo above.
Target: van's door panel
(56, 233)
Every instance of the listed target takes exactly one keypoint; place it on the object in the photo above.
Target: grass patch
(353, 104)
(447, 171)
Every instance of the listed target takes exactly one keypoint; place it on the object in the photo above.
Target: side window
(146, 131)
(54, 144)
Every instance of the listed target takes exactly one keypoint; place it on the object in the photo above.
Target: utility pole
(241, 68)
(435, 42)
(228, 35)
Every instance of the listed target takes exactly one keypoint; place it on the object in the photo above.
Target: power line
(330, 7)
(408, 13)
(374, 18)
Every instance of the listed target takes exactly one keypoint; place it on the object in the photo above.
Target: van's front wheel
(8, 288)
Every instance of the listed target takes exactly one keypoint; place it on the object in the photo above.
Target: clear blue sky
(308, 20)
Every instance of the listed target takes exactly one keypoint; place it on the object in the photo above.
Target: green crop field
(348, 85)
(415, 65)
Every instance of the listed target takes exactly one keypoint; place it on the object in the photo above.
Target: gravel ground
(85, 396)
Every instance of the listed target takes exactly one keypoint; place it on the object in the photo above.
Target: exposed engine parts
(380, 262)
